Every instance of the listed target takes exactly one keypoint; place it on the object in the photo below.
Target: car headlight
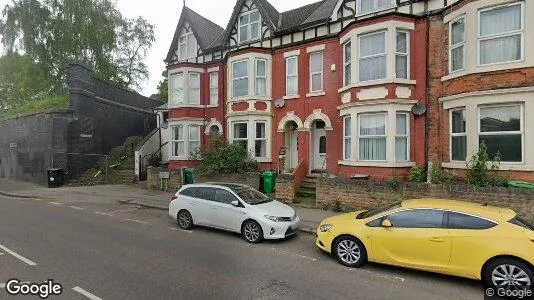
(325, 227)
(275, 219)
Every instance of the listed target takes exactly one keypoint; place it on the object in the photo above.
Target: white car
(233, 207)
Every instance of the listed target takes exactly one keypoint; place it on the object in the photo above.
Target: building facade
(352, 87)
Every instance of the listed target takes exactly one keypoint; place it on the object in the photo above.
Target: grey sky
(164, 14)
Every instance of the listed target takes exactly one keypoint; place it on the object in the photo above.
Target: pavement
(133, 194)
(98, 248)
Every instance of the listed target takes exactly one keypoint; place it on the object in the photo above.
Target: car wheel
(350, 252)
(185, 221)
(252, 232)
(509, 274)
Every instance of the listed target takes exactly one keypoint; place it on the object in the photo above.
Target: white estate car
(233, 207)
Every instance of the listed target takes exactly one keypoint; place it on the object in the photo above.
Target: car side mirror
(387, 223)
(235, 203)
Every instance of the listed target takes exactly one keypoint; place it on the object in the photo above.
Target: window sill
(212, 105)
(247, 98)
(377, 82)
(263, 159)
(374, 11)
(495, 67)
(380, 164)
(503, 166)
(187, 106)
(289, 97)
(315, 94)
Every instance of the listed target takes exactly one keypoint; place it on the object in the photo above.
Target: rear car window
(188, 192)
(463, 221)
(521, 223)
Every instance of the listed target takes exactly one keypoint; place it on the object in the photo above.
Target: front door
(292, 149)
(417, 239)
(319, 146)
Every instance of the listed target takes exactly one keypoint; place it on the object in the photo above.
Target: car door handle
(436, 239)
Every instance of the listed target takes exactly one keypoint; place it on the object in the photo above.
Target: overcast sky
(164, 14)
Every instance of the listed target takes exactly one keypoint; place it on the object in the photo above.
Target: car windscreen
(251, 196)
(522, 223)
(378, 210)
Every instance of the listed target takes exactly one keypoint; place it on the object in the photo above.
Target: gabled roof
(211, 37)
(323, 12)
(205, 31)
(268, 13)
(292, 18)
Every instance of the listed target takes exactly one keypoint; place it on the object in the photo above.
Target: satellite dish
(279, 103)
(418, 109)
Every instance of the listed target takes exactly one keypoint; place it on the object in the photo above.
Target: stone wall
(28, 142)
(109, 114)
(352, 194)
(175, 179)
(286, 187)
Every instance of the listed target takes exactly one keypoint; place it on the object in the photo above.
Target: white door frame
(317, 160)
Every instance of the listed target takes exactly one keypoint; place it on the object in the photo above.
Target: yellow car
(444, 236)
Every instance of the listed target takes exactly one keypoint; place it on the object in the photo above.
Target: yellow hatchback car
(444, 236)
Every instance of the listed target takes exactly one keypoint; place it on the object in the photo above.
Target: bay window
(292, 76)
(401, 137)
(501, 130)
(347, 139)
(347, 63)
(240, 78)
(240, 134)
(261, 77)
(178, 142)
(194, 88)
(401, 55)
(194, 138)
(372, 137)
(457, 45)
(185, 138)
(184, 88)
(366, 6)
(372, 62)
(260, 145)
(214, 88)
(249, 26)
(501, 34)
(177, 89)
(458, 135)
(316, 71)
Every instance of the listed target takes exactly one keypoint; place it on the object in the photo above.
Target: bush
(417, 174)
(392, 183)
(438, 174)
(483, 170)
(221, 157)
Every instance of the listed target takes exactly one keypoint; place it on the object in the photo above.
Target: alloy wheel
(252, 232)
(349, 252)
(184, 219)
(510, 277)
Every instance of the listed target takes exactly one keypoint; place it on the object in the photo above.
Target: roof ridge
(204, 18)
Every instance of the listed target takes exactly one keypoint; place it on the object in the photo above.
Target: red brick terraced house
(350, 87)
(481, 84)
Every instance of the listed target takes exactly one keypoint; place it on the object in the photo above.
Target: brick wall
(358, 195)
(175, 179)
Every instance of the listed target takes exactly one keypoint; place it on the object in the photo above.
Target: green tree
(56, 32)
(21, 80)
(163, 89)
